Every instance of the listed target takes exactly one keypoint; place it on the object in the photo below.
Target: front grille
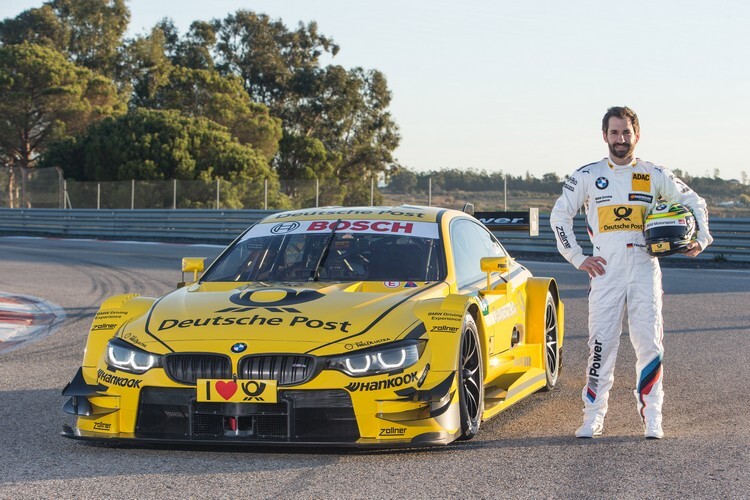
(286, 369)
(188, 368)
(299, 416)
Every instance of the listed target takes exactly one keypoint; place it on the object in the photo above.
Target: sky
(521, 86)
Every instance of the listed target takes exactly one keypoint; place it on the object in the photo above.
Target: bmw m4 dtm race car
(365, 326)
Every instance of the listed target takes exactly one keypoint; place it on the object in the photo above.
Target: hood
(285, 318)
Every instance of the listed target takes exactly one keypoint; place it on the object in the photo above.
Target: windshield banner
(394, 227)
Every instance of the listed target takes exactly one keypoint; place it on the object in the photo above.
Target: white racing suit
(617, 199)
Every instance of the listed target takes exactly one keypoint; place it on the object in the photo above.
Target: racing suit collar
(615, 166)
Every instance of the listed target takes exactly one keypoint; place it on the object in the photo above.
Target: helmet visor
(667, 232)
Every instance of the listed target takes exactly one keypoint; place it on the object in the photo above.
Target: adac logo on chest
(641, 182)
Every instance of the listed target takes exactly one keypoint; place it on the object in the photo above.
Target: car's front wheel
(470, 379)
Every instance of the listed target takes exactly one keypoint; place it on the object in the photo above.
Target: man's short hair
(623, 112)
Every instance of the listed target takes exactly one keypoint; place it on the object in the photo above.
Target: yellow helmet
(668, 229)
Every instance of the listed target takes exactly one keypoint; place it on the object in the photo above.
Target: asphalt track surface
(526, 452)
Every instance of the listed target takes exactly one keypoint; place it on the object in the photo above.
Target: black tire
(552, 360)
(470, 380)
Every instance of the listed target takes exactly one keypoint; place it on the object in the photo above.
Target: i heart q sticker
(226, 389)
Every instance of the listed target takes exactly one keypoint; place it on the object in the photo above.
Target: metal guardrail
(181, 225)
(731, 236)
(731, 240)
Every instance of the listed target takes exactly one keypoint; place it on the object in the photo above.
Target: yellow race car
(369, 326)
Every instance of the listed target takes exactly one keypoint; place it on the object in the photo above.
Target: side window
(494, 247)
(471, 242)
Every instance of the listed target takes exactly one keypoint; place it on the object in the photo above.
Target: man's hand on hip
(593, 265)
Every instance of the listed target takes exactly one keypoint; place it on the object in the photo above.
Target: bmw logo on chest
(239, 347)
(602, 183)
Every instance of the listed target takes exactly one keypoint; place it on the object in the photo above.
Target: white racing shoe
(652, 429)
(591, 427)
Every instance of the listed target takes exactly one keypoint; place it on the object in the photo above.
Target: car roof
(401, 212)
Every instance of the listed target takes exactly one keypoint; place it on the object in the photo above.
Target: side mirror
(495, 265)
(194, 264)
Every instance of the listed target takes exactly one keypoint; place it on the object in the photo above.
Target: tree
(160, 82)
(194, 51)
(221, 99)
(302, 157)
(403, 181)
(44, 98)
(147, 65)
(345, 111)
(335, 123)
(160, 145)
(355, 123)
(38, 26)
(88, 32)
(551, 178)
(266, 55)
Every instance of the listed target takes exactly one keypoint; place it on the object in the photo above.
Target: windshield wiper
(314, 274)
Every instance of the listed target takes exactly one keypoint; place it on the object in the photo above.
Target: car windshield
(331, 255)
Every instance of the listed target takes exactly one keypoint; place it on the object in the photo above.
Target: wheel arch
(536, 302)
(110, 318)
(446, 343)
(473, 309)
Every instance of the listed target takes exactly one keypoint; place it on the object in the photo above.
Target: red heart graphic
(226, 389)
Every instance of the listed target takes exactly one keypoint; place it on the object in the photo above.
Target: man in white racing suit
(617, 193)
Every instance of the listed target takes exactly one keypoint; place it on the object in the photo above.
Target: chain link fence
(46, 188)
(214, 194)
(175, 194)
(31, 188)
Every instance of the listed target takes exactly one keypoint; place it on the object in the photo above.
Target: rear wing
(511, 221)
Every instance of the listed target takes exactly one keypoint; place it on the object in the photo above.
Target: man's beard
(624, 153)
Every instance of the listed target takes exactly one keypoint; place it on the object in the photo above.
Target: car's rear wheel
(551, 343)
(470, 380)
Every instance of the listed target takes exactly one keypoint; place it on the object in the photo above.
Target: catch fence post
(60, 187)
(505, 192)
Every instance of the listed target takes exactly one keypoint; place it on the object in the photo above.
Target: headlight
(127, 357)
(391, 358)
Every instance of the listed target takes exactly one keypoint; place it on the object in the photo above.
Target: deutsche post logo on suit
(621, 218)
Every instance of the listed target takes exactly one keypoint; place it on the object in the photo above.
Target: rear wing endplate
(511, 221)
